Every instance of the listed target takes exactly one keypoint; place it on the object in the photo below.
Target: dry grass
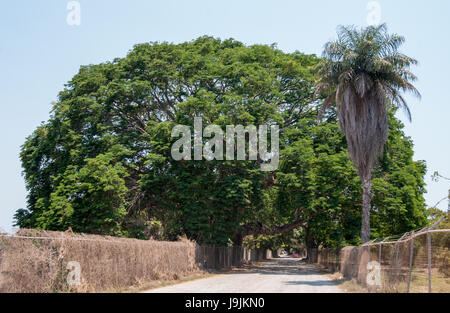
(347, 285)
(164, 283)
(439, 283)
(419, 284)
(39, 264)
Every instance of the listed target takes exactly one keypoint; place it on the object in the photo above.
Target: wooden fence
(215, 257)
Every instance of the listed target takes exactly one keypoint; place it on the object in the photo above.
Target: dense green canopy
(102, 163)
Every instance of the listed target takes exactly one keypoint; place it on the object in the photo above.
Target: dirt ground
(283, 275)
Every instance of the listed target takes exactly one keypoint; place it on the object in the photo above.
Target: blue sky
(40, 52)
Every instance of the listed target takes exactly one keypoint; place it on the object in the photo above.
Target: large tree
(111, 129)
(363, 74)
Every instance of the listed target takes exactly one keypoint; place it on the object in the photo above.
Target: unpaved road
(274, 276)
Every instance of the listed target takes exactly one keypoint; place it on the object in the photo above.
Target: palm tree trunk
(367, 197)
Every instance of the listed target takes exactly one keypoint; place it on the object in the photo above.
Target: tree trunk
(366, 205)
(238, 239)
(309, 247)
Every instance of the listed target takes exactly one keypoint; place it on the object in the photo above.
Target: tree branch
(260, 229)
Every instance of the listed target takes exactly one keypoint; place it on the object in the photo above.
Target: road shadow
(312, 283)
(280, 266)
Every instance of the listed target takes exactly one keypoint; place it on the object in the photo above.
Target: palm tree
(363, 74)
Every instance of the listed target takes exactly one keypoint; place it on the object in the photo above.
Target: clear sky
(40, 52)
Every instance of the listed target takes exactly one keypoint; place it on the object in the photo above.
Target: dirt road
(277, 275)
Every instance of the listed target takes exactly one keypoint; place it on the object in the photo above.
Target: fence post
(429, 260)
(379, 253)
(411, 258)
(396, 262)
